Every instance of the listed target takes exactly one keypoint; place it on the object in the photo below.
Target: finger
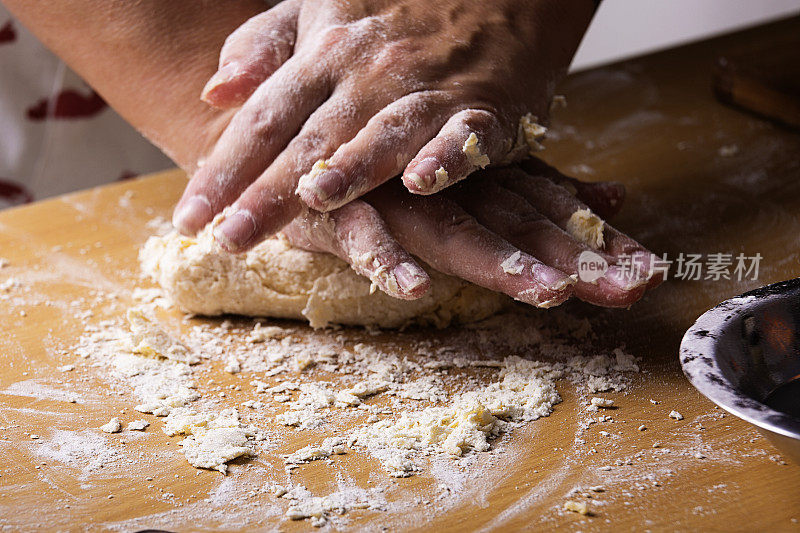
(377, 153)
(566, 211)
(357, 234)
(515, 219)
(442, 234)
(254, 138)
(604, 198)
(251, 54)
(270, 202)
(471, 139)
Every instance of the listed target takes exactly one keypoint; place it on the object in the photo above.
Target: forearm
(149, 59)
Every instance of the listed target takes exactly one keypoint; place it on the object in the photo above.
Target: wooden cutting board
(702, 178)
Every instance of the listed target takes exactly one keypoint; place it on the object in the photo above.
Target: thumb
(251, 54)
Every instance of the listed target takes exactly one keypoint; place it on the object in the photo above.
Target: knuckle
(479, 119)
(313, 144)
(255, 121)
(459, 224)
(395, 54)
(526, 224)
(334, 37)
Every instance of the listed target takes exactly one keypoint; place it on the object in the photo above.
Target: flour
(457, 398)
(320, 508)
(330, 446)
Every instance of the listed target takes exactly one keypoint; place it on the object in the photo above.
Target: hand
(471, 230)
(339, 97)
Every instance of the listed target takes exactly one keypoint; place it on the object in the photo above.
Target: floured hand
(338, 97)
(505, 229)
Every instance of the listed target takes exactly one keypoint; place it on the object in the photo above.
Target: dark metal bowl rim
(699, 352)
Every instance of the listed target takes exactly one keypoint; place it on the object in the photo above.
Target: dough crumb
(112, 426)
(559, 101)
(10, 283)
(512, 264)
(330, 446)
(441, 179)
(212, 439)
(472, 149)
(729, 150)
(576, 507)
(138, 425)
(530, 132)
(602, 402)
(587, 228)
(675, 415)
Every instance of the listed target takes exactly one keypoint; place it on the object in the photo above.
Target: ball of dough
(276, 280)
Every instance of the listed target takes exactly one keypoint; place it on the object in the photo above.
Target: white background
(624, 28)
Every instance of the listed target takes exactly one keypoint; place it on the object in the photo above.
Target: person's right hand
(339, 97)
(472, 229)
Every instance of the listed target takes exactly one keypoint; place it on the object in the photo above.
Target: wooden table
(651, 123)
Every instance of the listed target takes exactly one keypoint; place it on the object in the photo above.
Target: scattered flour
(454, 398)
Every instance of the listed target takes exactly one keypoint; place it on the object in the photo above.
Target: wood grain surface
(651, 123)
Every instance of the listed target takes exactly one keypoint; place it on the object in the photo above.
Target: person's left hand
(504, 229)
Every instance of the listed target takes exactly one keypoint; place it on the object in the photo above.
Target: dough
(211, 439)
(276, 280)
(586, 227)
(472, 150)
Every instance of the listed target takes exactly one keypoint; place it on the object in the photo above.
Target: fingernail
(192, 215)
(542, 299)
(428, 175)
(414, 182)
(319, 184)
(326, 185)
(551, 278)
(654, 270)
(409, 277)
(626, 279)
(224, 75)
(235, 230)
